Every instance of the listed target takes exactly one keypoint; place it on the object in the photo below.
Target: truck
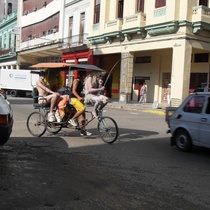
(17, 82)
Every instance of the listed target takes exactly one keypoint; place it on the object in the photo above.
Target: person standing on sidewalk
(169, 94)
(143, 94)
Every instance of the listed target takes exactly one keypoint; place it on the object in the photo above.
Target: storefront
(80, 57)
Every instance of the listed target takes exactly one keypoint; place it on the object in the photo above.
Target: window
(196, 81)
(143, 59)
(9, 9)
(160, 3)
(203, 2)
(70, 28)
(10, 40)
(201, 58)
(208, 107)
(120, 8)
(195, 104)
(5, 43)
(140, 5)
(81, 30)
(97, 11)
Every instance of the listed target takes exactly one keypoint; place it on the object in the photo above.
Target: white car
(6, 119)
(189, 124)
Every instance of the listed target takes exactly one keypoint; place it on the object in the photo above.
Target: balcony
(134, 21)
(7, 53)
(134, 24)
(33, 17)
(201, 13)
(74, 41)
(113, 26)
(200, 18)
(34, 42)
(119, 28)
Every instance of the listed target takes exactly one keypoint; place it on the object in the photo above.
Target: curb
(161, 112)
(133, 108)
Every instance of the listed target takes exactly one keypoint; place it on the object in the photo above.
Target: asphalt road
(67, 171)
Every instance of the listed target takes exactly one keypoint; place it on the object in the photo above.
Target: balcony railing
(74, 41)
(7, 52)
(113, 25)
(39, 41)
(201, 14)
(133, 21)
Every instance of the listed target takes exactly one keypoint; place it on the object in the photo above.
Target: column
(126, 75)
(181, 68)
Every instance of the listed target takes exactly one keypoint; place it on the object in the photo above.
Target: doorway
(138, 83)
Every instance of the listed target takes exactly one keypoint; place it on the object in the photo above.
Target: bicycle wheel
(52, 127)
(36, 124)
(108, 129)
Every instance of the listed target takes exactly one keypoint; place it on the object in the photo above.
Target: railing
(113, 25)
(6, 52)
(74, 41)
(201, 13)
(132, 21)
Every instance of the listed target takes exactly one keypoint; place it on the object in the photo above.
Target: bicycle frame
(65, 123)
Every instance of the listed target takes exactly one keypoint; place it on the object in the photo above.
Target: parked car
(189, 124)
(6, 119)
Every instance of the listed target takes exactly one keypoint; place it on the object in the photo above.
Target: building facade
(40, 25)
(157, 42)
(8, 20)
(7, 7)
(75, 45)
(53, 31)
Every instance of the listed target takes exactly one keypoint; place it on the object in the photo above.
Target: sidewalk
(135, 106)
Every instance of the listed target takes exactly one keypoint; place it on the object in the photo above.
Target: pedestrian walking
(143, 94)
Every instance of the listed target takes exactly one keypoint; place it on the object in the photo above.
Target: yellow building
(156, 41)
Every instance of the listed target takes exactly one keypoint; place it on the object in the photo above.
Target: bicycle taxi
(37, 121)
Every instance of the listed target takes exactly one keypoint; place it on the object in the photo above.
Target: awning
(50, 65)
(67, 66)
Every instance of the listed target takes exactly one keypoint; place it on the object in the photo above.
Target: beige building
(156, 41)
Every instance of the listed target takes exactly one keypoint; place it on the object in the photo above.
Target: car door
(188, 116)
(204, 125)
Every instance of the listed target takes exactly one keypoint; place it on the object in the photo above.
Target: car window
(195, 104)
(208, 107)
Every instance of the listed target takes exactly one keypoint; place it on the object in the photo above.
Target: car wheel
(183, 140)
(3, 141)
(13, 93)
